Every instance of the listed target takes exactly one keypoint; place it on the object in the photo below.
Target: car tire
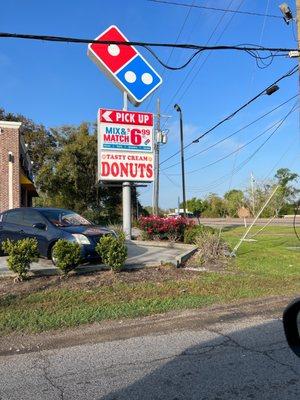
(52, 258)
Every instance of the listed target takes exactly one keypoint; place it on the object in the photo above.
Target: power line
(234, 133)
(240, 147)
(252, 50)
(65, 39)
(172, 50)
(235, 151)
(203, 62)
(247, 160)
(252, 13)
(289, 73)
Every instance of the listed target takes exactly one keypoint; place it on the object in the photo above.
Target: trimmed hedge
(67, 255)
(113, 251)
(21, 253)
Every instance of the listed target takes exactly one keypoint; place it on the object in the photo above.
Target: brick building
(16, 180)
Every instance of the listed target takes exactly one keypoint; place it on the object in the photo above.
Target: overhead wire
(233, 134)
(220, 180)
(230, 116)
(250, 13)
(252, 81)
(203, 63)
(234, 151)
(279, 123)
(172, 50)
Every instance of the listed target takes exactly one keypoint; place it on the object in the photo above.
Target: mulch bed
(92, 280)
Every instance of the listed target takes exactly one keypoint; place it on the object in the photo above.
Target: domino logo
(125, 66)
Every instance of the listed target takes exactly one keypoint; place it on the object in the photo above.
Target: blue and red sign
(125, 146)
(125, 66)
(125, 130)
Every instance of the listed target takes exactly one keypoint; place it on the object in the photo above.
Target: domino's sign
(125, 146)
(124, 65)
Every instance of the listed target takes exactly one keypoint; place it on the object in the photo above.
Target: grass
(261, 268)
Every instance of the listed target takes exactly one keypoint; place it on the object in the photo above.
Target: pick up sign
(125, 145)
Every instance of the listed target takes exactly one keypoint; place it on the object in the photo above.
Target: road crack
(264, 353)
(45, 370)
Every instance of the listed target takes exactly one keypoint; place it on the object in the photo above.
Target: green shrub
(21, 254)
(191, 233)
(67, 255)
(113, 251)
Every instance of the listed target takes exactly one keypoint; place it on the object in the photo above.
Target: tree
(283, 197)
(40, 140)
(196, 206)
(214, 206)
(234, 201)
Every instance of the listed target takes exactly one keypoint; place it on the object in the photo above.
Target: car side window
(32, 217)
(14, 217)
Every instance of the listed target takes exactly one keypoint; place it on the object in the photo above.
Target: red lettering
(142, 167)
(133, 170)
(105, 168)
(149, 172)
(124, 169)
(114, 169)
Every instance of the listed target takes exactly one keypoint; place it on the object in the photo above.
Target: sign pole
(126, 192)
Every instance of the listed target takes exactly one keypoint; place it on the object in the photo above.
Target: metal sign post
(126, 193)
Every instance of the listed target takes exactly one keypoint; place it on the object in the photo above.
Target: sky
(57, 84)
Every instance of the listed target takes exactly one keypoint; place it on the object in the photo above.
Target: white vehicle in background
(181, 214)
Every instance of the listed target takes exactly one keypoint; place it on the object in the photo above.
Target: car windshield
(65, 218)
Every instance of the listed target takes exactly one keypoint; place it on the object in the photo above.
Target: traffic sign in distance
(125, 66)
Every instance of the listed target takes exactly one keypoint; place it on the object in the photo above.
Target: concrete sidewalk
(140, 254)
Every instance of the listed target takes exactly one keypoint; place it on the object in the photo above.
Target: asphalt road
(238, 357)
(231, 222)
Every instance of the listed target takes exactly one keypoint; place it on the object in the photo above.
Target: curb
(153, 243)
(182, 258)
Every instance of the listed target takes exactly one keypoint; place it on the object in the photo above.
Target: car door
(12, 225)
(35, 226)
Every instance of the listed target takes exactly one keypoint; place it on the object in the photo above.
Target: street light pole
(178, 109)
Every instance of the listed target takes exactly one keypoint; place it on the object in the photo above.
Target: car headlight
(81, 239)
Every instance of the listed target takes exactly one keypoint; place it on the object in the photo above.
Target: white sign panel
(125, 146)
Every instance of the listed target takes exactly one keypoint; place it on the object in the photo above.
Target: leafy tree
(40, 141)
(283, 197)
(196, 206)
(234, 200)
(214, 206)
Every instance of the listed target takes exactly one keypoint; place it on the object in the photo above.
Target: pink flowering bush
(160, 228)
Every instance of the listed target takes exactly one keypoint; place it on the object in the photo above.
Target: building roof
(10, 124)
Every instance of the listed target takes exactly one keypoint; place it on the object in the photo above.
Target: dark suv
(48, 225)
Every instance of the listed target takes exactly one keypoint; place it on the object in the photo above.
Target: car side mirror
(291, 324)
(40, 226)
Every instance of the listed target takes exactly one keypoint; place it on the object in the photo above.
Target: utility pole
(298, 28)
(156, 142)
(178, 109)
